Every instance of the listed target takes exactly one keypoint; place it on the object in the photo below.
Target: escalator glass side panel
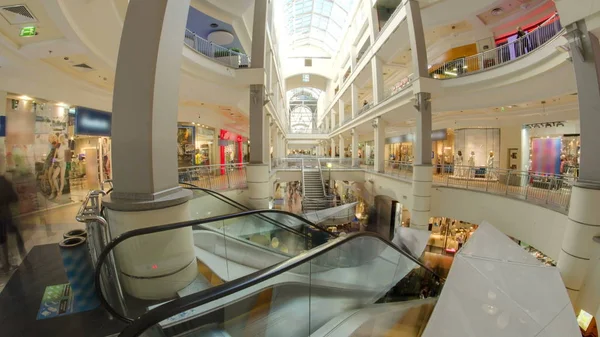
(300, 296)
(161, 266)
(205, 205)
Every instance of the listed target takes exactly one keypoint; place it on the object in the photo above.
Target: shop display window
(555, 154)
(479, 143)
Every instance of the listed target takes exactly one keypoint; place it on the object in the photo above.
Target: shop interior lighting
(25, 98)
(450, 73)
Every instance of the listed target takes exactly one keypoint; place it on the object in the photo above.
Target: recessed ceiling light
(25, 98)
(497, 11)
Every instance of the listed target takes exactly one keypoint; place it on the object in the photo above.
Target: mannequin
(472, 164)
(490, 165)
(490, 160)
(58, 173)
(459, 164)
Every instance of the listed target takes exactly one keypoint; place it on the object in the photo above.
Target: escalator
(223, 247)
(272, 273)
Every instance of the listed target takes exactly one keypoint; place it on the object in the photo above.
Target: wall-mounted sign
(441, 134)
(2, 126)
(91, 122)
(544, 125)
(27, 31)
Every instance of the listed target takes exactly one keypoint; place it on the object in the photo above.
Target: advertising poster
(185, 145)
(58, 301)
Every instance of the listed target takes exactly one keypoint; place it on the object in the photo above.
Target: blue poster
(58, 301)
(91, 122)
(2, 126)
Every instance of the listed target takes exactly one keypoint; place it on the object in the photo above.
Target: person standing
(522, 42)
(8, 196)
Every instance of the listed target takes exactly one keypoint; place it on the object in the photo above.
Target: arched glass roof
(303, 109)
(319, 23)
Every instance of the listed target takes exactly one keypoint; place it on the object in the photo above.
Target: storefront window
(478, 145)
(555, 154)
(448, 235)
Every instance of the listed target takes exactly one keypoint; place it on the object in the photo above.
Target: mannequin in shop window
(59, 168)
(459, 163)
(490, 165)
(471, 164)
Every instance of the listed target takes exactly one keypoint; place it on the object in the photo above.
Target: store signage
(2, 126)
(441, 134)
(92, 122)
(27, 31)
(544, 125)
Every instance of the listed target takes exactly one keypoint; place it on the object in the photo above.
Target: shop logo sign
(544, 125)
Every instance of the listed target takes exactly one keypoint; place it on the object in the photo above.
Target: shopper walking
(8, 196)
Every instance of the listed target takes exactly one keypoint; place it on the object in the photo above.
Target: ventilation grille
(83, 67)
(17, 14)
(308, 62)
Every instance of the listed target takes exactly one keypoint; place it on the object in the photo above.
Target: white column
(355, 159)
(327, 123)
(341, 108)
(332, 148)
(525, 149)
(422, 168)
(275, 141)
(373, 20)
(377, 75)
(578, 259)
(355, 105)
(341, 146)
(379, 136)
(333, 125)
(421, 191)
(144, 136)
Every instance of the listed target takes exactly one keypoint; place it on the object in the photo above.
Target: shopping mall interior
(411, 168)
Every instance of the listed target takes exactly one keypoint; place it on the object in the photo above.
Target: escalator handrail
(234, 203)
(169, 309)
(163, 228)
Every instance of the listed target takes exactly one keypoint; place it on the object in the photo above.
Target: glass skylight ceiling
(320, 23)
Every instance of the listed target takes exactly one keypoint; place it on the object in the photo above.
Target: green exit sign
(27, 31)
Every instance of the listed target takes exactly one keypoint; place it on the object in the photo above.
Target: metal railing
(98, 237)
(316, 131)
(215, 177)
(216, 52)
(548, 190)
(552, 190)
(502, 54)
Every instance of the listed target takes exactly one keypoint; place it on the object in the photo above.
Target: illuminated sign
(92, 122)
(27, 31)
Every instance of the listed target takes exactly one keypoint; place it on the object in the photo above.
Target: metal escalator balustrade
(230, 245)
(340, 276)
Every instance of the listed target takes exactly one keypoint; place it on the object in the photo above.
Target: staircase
(313, 190)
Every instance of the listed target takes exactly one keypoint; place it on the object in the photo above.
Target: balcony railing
(549, 190)
(500, 55)
(215, 177)
(218, 53)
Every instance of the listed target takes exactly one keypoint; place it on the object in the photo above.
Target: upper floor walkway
(529, 206)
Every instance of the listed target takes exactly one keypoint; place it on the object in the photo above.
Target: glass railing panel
(305, 295)
(205, 205)
(186, 258)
